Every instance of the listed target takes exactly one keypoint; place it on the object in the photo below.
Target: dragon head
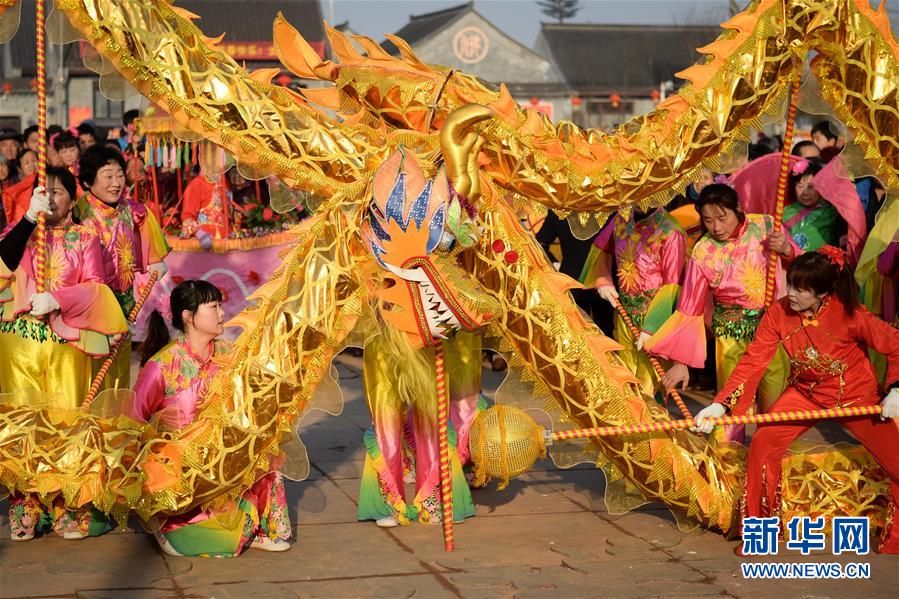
(406, 230)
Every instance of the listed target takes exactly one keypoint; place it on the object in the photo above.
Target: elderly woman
(130, 236)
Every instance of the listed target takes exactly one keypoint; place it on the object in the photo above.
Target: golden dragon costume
(330, 141)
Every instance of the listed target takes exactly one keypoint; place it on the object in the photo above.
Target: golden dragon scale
(325, 288)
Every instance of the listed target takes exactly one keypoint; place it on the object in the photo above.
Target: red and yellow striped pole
(782, 188)
(446, 483)
(652, 360)
(114, 350)
(41, 255)
(671, 425)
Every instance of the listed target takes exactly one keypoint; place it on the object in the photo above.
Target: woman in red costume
(204, 209)
(825, 331)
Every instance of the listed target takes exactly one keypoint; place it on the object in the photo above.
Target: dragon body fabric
(331, 140)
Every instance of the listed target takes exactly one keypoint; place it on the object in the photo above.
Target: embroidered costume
(404, 438)
(812, 228)
(828, 368)
(205, 206)
(888, 267)
(170, 388)
(53, 355)
(733, 272)
(649, 256)
(131, 239)
(47, 361)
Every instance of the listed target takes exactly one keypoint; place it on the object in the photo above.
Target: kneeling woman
(824, 331)
(171, 387)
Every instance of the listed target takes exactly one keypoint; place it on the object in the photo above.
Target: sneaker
(165, 545)
(25, 536)
(267, 544)
(387, 522)
(73, 535)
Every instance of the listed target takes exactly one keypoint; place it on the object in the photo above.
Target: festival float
(251, 216)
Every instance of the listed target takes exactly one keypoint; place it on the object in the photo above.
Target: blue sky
(521, 18)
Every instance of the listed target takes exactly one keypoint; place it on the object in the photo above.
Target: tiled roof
(622, 57)
(422, 26)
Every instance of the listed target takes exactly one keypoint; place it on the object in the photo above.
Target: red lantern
(655, 95)
(534, 100)
(576, 101)
(7, 88)
(615, 100)
(33, 84)
(284, 79)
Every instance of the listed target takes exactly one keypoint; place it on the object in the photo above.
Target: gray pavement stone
(586, 579)
(320, 552)
(514, 540)
(54, 566)
(415, 585)
(520, 498)
(344, 469)
(584, 487)
(320, 501)
(130, 593)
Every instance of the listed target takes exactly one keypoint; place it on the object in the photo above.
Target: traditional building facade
(75, 91)
(461, 38)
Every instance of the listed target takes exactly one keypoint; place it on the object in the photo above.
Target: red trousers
(771, 441)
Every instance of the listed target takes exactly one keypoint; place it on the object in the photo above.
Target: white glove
(641, 340)
(43, 303)
(159, 267)
(890, 405)
(716, 410)
(40, 202)
(205, 239)
(608, 293)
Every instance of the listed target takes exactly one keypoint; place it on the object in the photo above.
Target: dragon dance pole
(652, 360)
(446, 485)
(782, 189)
(40, 35)
(672, 425)
(114, 350)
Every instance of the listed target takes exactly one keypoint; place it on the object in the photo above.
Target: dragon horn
(457, 142)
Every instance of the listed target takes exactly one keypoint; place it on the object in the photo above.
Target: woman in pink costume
(48, 339)
(729, 264)
(130, 236)
(649, 256)
(169, 390)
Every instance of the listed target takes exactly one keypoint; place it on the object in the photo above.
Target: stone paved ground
(548, 534)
